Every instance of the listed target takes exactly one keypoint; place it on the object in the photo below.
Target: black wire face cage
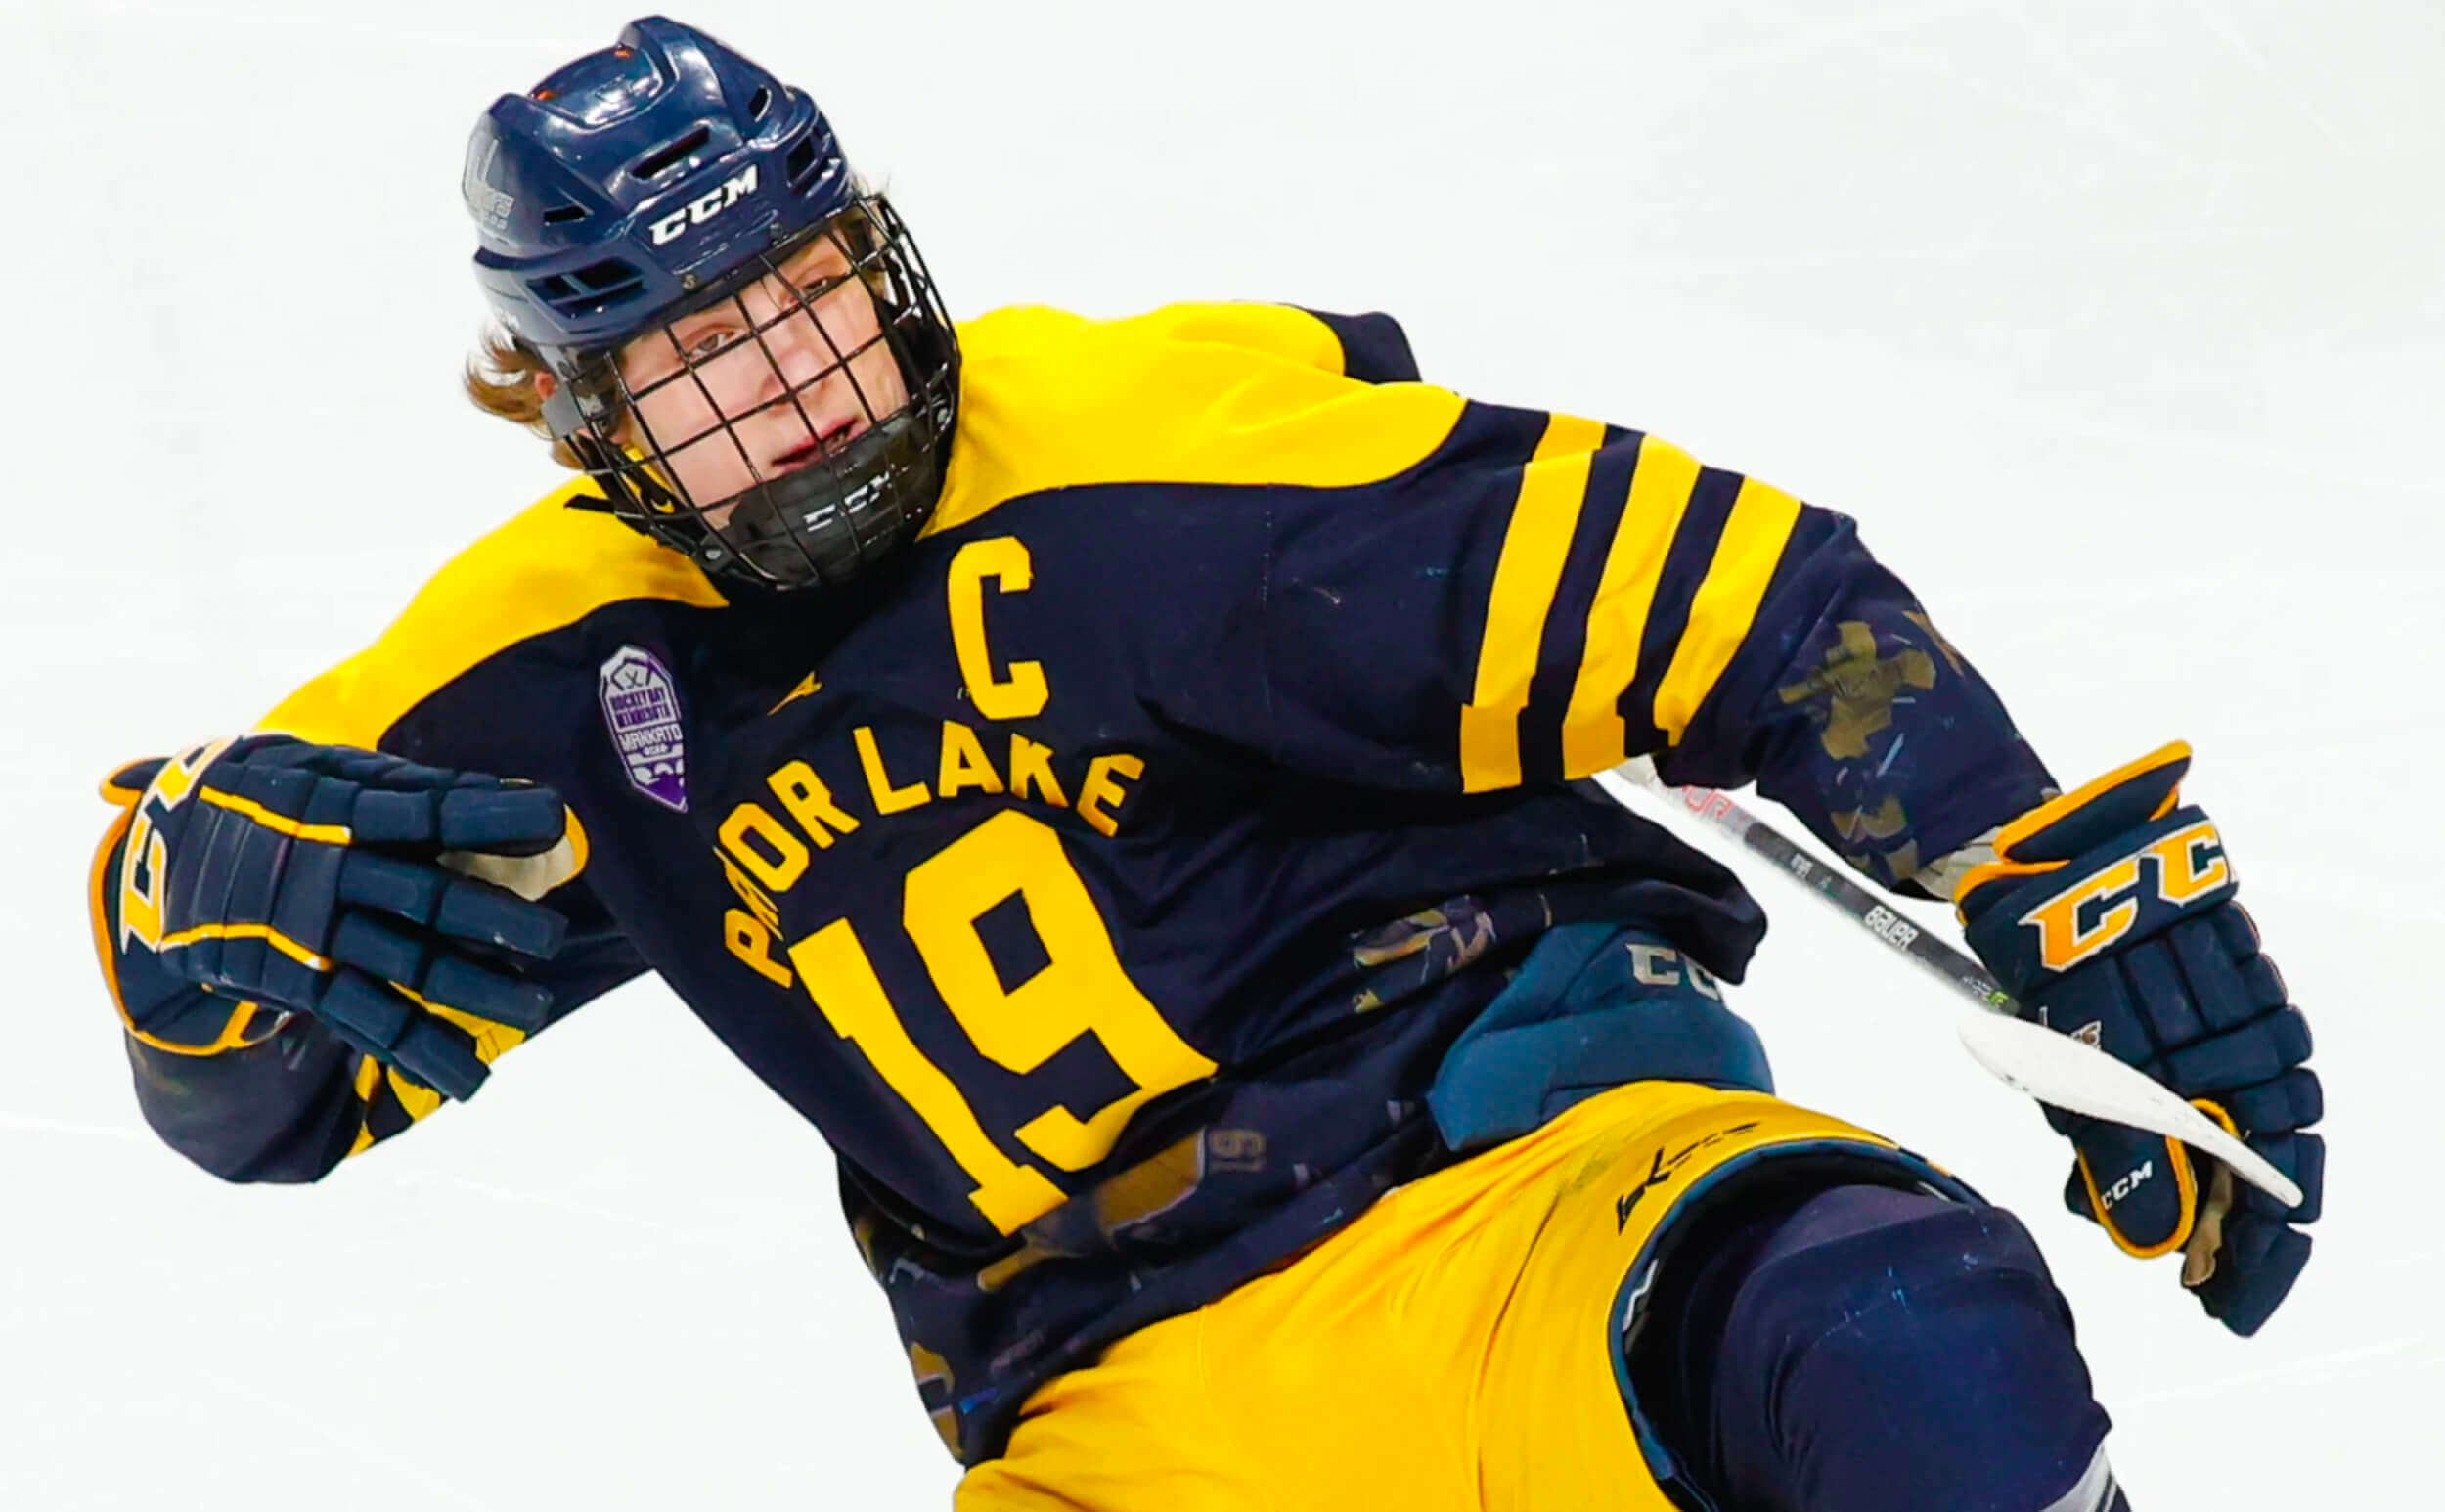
(775, 393)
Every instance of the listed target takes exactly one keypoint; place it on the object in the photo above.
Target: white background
(2120, 326)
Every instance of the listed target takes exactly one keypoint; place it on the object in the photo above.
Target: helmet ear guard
(642, 184)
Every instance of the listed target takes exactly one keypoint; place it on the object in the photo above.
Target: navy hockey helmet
(668, 184)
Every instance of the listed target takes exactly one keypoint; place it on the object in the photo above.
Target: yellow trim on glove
(1986, 871)
(233, 1035)
(279, 823)
(2005, 864)
(2057, 807)
(2184, 1182)
(2185, 1179)
(2198, 1257)
(263, 932)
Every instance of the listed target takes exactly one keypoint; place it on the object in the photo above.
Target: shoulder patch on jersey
(1230, 395)
(548, 567)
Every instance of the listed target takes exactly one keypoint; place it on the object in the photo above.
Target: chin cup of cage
(831, 520)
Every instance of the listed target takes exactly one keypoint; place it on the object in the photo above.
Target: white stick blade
(2057, 1069)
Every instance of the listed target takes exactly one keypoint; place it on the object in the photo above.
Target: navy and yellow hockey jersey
(1107, 877)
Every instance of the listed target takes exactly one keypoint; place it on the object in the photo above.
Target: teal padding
(1594, 1007)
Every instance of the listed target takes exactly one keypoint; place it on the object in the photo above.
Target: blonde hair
(501, 380)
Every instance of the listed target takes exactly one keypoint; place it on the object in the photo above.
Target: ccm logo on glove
(2188, 863)
(2129, 1183)
(145, 861)
(347, 884)
(2111, 909)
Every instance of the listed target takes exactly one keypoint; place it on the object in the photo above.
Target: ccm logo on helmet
(2100, 908)
(706, 206)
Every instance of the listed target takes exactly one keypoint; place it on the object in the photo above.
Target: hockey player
(1119, 781)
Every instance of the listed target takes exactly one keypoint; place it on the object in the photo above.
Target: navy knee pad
(1860, 1348)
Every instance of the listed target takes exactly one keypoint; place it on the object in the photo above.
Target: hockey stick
(2052, 1068)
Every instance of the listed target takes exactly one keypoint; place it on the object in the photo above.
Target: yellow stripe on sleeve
(492, 1040)
(1534, 546)
(1726, 604)
(369, 1078)
(420, 1102)
(415, 1100)
(1594, 737)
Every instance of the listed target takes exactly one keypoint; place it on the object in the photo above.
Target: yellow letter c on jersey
(2188, 863)
(1005, 559)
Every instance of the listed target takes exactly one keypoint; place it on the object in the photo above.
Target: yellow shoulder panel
(548, 567)
(1243, 394)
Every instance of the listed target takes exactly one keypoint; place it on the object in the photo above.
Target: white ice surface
(2120, 326)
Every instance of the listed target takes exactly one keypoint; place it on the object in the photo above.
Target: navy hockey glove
(2107, 913)
(311, 879)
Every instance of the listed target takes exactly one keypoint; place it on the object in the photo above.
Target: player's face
(789, 370)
